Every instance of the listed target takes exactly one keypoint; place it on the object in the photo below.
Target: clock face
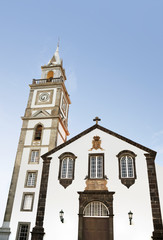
(44, 97)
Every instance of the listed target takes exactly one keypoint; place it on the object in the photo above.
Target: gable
(105, 130)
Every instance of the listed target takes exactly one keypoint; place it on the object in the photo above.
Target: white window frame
(31, 181)
(68, 168)
(27, 203)
(96, 171)
(34, 156)
(127, 168)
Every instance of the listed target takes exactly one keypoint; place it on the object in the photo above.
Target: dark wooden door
(95, 228)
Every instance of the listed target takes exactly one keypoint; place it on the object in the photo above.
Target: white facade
(136, 198)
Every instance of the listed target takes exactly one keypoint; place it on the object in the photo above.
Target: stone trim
(38, 230)
(96, 126)
(85, 198)
(33, 146)
(128, 182)
(15, 174)
(154, 196)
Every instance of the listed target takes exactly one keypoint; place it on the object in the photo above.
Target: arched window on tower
(38, 132)
(50, 74)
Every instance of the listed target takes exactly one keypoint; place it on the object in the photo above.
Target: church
(98, 185)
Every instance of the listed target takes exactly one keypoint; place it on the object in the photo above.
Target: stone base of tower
(5, 231)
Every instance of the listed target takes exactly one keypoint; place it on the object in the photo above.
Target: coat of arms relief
(96, 143)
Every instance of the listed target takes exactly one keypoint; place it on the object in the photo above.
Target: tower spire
(56, 58)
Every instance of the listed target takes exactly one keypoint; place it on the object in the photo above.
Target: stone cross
(97, 119)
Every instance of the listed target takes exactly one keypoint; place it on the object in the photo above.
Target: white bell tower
(45, 126)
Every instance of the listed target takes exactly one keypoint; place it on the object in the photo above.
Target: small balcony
(49, 80)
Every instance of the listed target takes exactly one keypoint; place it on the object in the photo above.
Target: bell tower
(45, 126)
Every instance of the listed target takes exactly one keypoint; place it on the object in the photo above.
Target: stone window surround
(34, 149)
(26, 179)
(18, 229)
(23, 198)
(126, 180)
(66, 182)
(96, 154)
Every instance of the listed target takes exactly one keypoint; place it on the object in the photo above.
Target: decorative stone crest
(96, 143)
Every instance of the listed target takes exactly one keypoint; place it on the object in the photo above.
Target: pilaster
(38, 230)
(154, 195)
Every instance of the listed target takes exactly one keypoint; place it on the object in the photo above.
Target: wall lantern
(130, 217)
(61, 213)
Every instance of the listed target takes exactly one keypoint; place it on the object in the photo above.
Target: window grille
(127, 170)
(31, 179)
(23, 231)
(96, 166)
(67, 168)
(34, 156)
(95, 209)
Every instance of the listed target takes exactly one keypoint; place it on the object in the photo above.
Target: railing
(50, 80)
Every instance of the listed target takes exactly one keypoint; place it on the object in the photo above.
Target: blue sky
(112, 52)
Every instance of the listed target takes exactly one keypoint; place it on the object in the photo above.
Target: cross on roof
(97, 119)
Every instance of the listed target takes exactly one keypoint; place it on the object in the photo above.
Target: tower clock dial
(44, 97)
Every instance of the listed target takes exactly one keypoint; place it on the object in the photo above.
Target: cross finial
(97, 119)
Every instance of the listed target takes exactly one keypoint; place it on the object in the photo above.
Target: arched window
(67, 168)
(127, 169)
(95, 209)
(38, 132)
(50, 74)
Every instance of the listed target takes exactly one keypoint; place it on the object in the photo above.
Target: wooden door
(95, 228)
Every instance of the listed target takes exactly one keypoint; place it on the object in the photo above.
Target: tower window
(23, 231)
(34, 156)
(66, 169)
(127, 169)
(50, 74)
(38, 132)
(31, 179)
(27, 203)
(96, 166)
